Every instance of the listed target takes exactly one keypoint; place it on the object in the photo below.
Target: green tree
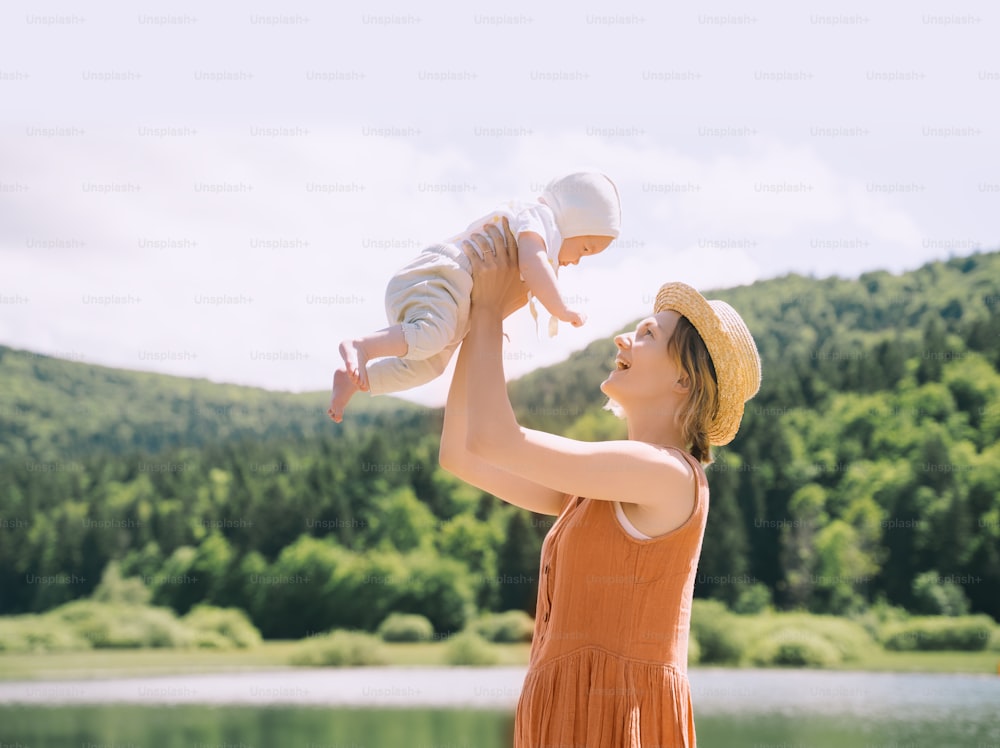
(934, 352)
(937, 596)
(724, 549)
(475, 544)
(800, 557)
(843, 571)
(517, 564)
(114, 588)
(401, 521)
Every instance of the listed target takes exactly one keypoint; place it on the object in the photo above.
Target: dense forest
(867, 470)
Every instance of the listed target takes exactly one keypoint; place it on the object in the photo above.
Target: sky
(223, 190)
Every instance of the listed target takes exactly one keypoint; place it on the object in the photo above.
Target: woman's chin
(608, 386)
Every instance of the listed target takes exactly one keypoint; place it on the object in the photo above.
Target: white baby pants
(429, 297)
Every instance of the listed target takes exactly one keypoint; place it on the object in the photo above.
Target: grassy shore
(275, 655)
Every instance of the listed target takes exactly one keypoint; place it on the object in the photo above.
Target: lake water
(473, 708)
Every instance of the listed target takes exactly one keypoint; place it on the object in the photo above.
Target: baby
(427, 301)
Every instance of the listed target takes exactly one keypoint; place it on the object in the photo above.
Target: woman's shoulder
(685, 460)
(670, 510)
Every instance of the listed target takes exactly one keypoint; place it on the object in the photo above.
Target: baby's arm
(533, 263)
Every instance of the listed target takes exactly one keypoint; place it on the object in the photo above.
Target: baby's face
(582, 246)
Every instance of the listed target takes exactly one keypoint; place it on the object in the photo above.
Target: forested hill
(55, 410)
(817, 336)
(868, 465)
(867, 469)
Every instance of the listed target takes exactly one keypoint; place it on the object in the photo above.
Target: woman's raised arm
(626, 470)
(454, 455)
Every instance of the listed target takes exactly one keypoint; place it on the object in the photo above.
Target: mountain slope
(52, 410)
(867, 468)
(806, 327)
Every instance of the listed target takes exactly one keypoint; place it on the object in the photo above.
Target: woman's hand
(496, 283)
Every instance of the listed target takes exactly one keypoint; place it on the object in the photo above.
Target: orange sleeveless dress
(608, 665)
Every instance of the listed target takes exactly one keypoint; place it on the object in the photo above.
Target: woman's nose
(623, 341)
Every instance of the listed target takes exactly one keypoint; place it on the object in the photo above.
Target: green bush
(230, 627)
(694, 650)
(878, 615)
(938, 598)
(795, 647)
(340, 649)
(469, 648)
(12, 639)
(718, 632)
(995, 640)
(111, 626)
(755, 598)
(406, 627)
(358, 591)
(116, 589)
(31, 633)
(440, 588)
(509, 627)
(208, 639)
(966, 633)
(849, 638)
(86, 624)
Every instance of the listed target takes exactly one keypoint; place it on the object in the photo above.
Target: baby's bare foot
(355, 360)
(343, 390)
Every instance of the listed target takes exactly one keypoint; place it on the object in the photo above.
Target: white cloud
(713, 210)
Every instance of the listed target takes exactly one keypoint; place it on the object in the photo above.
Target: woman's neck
(654, 426)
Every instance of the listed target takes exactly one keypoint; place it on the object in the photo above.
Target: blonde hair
(702, 401)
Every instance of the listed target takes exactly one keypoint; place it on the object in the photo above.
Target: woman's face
(644, 369)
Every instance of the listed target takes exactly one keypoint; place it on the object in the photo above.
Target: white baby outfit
(429, 298)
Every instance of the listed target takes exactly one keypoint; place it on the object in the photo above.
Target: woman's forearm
(478, 416)
(465, 398)
(454, 451)
(493, 423)
(461, 409)
(456, 415)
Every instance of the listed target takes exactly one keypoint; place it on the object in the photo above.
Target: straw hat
(733, 351)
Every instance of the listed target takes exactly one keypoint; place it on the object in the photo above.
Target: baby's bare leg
(356, 353)
(343, 390)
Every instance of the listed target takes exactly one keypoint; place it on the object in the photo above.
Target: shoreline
(494, 687)
(714, 690)
(273, 656)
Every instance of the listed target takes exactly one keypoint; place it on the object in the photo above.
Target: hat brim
(732, 348)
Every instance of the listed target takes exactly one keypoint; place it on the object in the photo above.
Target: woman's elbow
(462, 463)
(475, 446)
(486, 447)
(449, 458)
(455, 457)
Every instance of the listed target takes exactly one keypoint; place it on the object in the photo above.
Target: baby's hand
(575, 318)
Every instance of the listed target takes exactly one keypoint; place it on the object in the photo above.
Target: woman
(608, 665)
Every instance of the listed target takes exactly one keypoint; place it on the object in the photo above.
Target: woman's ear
(683, 383)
